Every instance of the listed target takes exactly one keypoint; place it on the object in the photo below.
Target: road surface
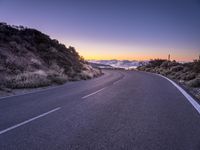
(121, 110)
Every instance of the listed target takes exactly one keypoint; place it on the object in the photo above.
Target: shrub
(27, 80)
(142, 68)
(58, 79)
(178, 75)
(194, 82)
(186, 69)
(167, 72)
(165, 64)
(156, 62)
(196, 66)
(176, 68)
(188, 76)
(148, 69)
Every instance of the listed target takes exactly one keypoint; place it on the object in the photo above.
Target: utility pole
(169, 57)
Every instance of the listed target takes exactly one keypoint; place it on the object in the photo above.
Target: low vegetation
(188, 74)
(29, 59)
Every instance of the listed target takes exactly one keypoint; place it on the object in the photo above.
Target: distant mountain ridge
(124, 64)
(30, 58)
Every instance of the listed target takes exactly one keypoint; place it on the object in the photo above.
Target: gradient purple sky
(112, 29)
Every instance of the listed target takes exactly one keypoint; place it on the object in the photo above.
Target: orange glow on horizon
(141, 59)
(185, 58)
(92, 50)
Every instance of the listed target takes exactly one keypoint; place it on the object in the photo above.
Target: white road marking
(117, 81)
(92, 93)
(188, 97)
(27, 121)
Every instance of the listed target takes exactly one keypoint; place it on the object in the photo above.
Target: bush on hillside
(58, 79)
(156, 62)
(188, 76)
(194, 82)
(196, 66)
(26, 80)
(176, 68)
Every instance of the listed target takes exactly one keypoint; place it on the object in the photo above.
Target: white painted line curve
(92, 93)
(187, 96)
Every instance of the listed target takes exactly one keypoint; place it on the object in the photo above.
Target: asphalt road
(121, 110)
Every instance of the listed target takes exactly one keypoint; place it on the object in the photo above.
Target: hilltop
(30, 58)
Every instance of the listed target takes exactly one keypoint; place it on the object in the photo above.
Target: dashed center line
(92, 93)
(29, 120)
(117, 81)
(100, 89)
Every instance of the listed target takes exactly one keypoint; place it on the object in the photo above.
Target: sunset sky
(113, 29)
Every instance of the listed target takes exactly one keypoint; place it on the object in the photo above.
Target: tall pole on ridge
(169, 57)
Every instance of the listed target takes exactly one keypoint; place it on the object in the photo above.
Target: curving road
(120, 110)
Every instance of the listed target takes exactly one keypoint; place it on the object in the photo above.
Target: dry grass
(58, 79)
(26, 80)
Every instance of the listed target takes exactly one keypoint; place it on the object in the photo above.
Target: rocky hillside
(29, 58)
(187, 74)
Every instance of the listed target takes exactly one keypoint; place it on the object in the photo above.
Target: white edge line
(29, 120)
(188, 97)
(93, 93)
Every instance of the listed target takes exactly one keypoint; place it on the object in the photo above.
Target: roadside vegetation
(30, 59)
(187, 74)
